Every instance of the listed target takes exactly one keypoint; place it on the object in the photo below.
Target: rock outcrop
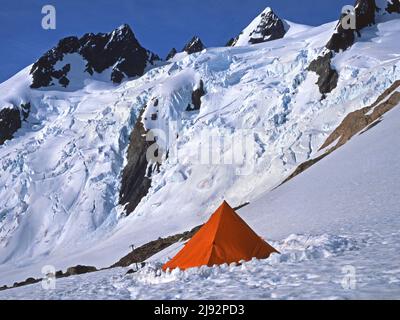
(196, 97)
(10, 122)
(271, 27)
(136, 179)
(393, 6)
(327, 76)
(265, 27)
(344, 38)
(171, 54)
(194, 45)
(79, 269)
(119, 50)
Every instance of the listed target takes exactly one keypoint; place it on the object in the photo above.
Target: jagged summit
(366, 13)
(171, 54)
(267, 26)
(194, 45)
(364, 16)
(118, 51)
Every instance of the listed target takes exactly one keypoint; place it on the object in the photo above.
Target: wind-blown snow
(60, 175)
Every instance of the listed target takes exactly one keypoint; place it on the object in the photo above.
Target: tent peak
(224, 238)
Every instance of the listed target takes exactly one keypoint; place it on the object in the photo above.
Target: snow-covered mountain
(267, 26)
(116, 56)
(194, 45)
(337, 240)
(76, 186)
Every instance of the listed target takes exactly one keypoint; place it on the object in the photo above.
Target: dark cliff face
(171, 54)
(343, 38)
(11, 120)
(196, 98)
(393, 6)
(270, 28)
(118, 49)
(136, 180)
(327, 76)
(194, 45)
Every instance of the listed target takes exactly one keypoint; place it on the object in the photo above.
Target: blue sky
(159, 25)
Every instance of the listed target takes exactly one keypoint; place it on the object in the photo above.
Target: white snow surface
(60, 175)
(340, 226)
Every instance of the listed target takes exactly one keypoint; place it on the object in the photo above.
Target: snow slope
(337, 227)
(60, 175)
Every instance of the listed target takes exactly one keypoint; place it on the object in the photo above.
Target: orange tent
(225, 238)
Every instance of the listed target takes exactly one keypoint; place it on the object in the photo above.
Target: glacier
(61, 174)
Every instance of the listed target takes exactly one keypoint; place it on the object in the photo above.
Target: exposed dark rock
(117, 76)
(231, 42)
(270, 27)
(25, 109)
(26, 282)
(118, 49)
(64, 81)
(327, 77)
(343, 38)
(135, 180)
(171, 54)
(79, 270)
(10, 122)
(31, 281)
(130, 271)
(149, 249)
(196, 97)
(60, 274)
(144, 252)
(43, 70)
(393, 6)
(365, 13)
(194, 45)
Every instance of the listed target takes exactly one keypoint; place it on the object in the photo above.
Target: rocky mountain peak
(267, 26)
(271, 27)
(118, 50)
(194, 45)
(171, 54)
